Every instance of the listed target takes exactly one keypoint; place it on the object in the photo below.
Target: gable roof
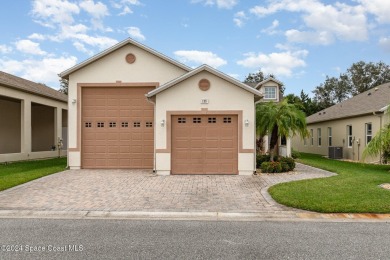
(65, 74)
(25, 85)
(258, 85)
(373, 100)
(210, 70)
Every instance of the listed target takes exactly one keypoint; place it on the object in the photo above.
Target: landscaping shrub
(289, 161)
(262, 158)
(271, 167)
(280, 164)
(295, 154)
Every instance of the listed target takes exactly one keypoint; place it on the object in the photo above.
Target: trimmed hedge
(280, 164)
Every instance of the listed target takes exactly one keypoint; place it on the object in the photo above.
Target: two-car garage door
(117, 128)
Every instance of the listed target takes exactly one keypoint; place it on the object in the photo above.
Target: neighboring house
(272, 91)
(33, 119)
(133, 107)
(350, 125)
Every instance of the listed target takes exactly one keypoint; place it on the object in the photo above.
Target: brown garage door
(204, 144)
(117, 128)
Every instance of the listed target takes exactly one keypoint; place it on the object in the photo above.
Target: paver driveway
(137, 190)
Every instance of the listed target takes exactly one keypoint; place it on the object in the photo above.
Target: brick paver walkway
(137, 190)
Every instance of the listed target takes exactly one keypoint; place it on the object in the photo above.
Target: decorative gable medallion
(204, 84)
(130, 58)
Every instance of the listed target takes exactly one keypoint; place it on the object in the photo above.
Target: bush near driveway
(280, 164)
(354, 190)
(17, 173)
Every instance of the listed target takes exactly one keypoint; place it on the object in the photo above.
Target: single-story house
(133, 107)
(347, 127)
(33, 120)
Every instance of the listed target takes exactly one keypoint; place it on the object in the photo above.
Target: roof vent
(324, 112)
(319, 113)
(369, 94)
(376, 89)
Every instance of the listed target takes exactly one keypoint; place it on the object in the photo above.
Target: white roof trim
(266, 80)
(69, 71)
(196, 71)
(383, 109)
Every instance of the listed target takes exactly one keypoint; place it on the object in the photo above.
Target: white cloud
(29, 47)
(341, 21)
(136, 33)
(322, 38)
(57, 11)
(97, 10)
(200, 57)
(224, 4)
(43, 71)
(277, 63)
(379, 8)
(4, 49)
(81, 47)
(384, 42)
(37, 36)
(125, 6)
(239, 18)
(271, 30)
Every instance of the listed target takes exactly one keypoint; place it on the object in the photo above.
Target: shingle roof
(31, 87)
(370, 101)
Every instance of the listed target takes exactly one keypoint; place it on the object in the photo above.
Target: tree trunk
(273, 142)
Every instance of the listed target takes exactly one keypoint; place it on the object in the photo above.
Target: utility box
(335, 152)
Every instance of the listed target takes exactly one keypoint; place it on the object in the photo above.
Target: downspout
(255, 143)
(380, 135)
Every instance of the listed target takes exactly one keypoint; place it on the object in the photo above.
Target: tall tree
(361, 76)
(64, 85)
(279, 119)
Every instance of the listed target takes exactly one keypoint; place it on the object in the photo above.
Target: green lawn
(354, 190)
(14, 174)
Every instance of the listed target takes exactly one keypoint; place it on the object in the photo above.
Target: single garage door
(204, 144)
(117, 128)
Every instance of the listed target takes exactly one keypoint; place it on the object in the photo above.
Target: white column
(57, 124)
(26, 126)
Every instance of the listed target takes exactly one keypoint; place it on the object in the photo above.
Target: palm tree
(380, 143)
(279, 119)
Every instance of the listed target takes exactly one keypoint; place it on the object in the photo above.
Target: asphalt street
(159, 239)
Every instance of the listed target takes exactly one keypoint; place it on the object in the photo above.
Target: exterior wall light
(246, 122)
(162, 123)
(74, 101)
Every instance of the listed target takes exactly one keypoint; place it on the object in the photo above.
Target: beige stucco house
(33, 120)
(133, 107)
(348, 126)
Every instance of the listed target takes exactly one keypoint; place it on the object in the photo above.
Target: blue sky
(299, 41)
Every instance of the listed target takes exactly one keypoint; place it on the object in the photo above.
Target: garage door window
(227, 120)
(88, 124)
(212, 120)
(125, 124)
(137, 124)
(112, 124)
(181, 120)
(100, 124)
(149, 124)
(196, 120)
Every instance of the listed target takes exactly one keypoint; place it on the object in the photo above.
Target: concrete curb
(202, 216)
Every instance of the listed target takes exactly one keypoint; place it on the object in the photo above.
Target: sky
(298, 41)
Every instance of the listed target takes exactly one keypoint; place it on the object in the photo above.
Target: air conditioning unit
(335, 152)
